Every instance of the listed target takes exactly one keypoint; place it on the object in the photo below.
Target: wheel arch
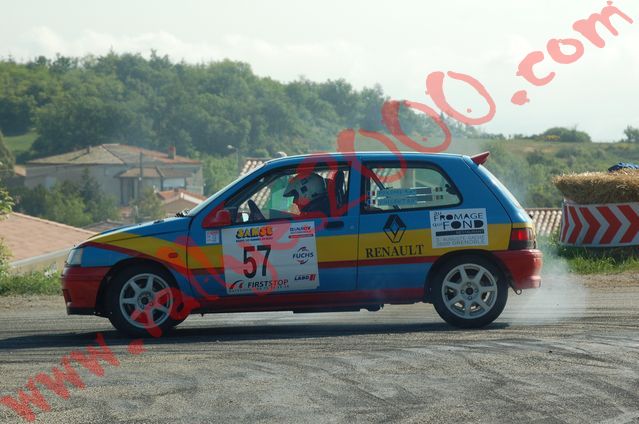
(100, 306)
(450, 256)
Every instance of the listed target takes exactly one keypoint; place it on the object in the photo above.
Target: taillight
(522, 238)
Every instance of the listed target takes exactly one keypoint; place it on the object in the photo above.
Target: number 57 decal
(249, 260)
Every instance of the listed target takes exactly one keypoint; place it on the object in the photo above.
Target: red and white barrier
(607, 225)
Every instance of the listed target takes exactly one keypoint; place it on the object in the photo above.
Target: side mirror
(219, 218)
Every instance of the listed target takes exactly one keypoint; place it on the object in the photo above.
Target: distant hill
(527, 167)
(71, 103)
(52, 106)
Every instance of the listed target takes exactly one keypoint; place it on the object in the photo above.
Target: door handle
(335, 224)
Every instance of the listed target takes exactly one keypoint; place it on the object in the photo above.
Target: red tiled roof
(101, 226)
(155, 172)
(27, 236)
(112, 154)
(19, 170)
(252, 163)
(547, 220)
(170, 195)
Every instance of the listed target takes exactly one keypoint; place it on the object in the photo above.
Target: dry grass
(600, 187)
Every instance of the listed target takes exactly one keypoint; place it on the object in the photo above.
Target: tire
(469, 291)
(141, 301)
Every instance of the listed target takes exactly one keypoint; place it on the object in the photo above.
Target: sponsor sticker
(254, 263)
(303, 255)
(459, 227)
(253, 233)
(213, 237)
(300, 231)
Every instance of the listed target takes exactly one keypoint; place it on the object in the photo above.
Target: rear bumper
(80, 287)
(524, 267)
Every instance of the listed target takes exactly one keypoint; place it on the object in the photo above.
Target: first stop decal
(459, 227)
(255, 262)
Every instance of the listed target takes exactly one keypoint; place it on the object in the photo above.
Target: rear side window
(414, 187)
(482, 169)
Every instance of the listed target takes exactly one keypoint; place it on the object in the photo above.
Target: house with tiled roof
(121, 170)
(38, 244)
(176, 200)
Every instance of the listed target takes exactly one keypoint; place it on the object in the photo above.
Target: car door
(270, 247)
(395, 251)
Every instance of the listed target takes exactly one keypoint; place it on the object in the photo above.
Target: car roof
(363, 155)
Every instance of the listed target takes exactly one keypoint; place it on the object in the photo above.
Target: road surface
(568, 353)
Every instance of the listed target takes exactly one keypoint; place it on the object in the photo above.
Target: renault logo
(394, 228)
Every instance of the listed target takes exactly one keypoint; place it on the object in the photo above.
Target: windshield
(206, 202)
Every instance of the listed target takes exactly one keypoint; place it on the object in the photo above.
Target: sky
(394, 44)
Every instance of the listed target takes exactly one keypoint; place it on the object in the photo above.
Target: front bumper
(524, 267)
(80, 286)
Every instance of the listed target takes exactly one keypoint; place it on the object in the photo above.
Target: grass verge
(32, 283)
(585, 260)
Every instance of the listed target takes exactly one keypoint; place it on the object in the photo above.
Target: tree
(6, 202)
(569, 135)
(64, 204)
(68, 202)
(218, 172)
(73, 103)
(98, 205)
(148, 206)
(6, 159)
(632, 134)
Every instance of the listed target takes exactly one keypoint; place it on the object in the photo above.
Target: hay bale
(621, 186)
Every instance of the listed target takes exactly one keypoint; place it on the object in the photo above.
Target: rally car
(318, 233)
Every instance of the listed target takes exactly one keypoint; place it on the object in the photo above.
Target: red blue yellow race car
(314, 233)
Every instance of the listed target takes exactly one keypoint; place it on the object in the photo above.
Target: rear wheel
(141, 301)
(469, 292)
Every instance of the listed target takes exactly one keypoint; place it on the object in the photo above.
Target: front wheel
(469, 292)
(142, 301)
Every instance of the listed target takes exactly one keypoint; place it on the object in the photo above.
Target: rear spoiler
(480, 158)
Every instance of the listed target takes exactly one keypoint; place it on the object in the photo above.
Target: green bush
(31, 283)
(76, 204)
(218, 172)
(568, 135)
(148, 207)
(35, 282)
(583, 260)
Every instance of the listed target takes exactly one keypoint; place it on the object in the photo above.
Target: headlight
(75, 257)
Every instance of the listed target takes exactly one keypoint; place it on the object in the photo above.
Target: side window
(416, 186)
(293, 194)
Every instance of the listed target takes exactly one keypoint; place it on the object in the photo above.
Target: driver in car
(309, 194)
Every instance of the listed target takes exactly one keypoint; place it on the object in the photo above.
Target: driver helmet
(304, 188)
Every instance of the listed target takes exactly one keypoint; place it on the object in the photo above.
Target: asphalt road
(566, 353)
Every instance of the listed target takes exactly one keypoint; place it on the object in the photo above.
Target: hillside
(72, 103)
(51, 106)
(527, 167)
(20, 144)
